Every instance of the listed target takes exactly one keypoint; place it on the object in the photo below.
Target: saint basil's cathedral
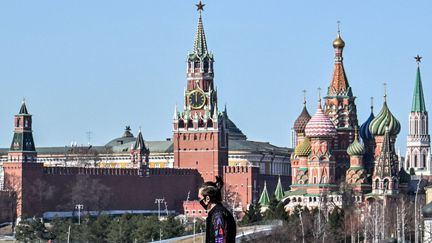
(330, 149)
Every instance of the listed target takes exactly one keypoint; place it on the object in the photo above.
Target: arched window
(415, 160)
(424, 161)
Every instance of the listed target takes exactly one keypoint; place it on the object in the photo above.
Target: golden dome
(338, 43)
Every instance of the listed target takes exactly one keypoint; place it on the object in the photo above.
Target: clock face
(197, 99)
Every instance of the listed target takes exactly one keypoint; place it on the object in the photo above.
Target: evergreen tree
(172, 227)
(100, 228)
(270, 213)
(336, 225)
(253, 214)
(147, 229)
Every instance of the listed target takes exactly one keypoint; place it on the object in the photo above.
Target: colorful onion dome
(304, 148)
(302, 120)
(356, 148)
(320, 125)
(384, 119)
(338, 42)
(365, 134)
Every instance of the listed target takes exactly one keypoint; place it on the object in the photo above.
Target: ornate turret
(385, 179)
(320, 125)
(418, 155)
(22, 148)
(356, 175)
(383, 120)
(356, 148)
(382, 123)
(139, 152)
(321, 165)
(301, 122)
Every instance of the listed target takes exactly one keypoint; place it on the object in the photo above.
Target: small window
(193, 211)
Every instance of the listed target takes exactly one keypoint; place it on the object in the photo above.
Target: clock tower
(200, 137)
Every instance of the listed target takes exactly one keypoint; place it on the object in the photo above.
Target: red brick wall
(129, 190)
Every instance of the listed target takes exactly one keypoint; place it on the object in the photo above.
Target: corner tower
(200, 136)
(418, 140)
(341, 109)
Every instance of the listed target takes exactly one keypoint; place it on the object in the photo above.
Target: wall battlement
(238, 169)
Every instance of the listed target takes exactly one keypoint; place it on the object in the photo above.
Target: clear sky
(100, 65)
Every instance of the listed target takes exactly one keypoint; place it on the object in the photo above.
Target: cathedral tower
(385, 127)
(341, 108)
(321, 165)
(200, 136)
(418, 140)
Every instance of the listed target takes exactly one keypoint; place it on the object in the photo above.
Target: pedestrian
(220, 223)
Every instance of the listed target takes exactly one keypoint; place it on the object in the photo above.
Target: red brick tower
(200, 137)
(341, 108)
(21, 171)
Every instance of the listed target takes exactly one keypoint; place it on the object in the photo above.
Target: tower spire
(418, 103)
(339, 84)
(200, 43)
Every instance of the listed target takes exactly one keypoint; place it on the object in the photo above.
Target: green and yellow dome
(356, 148)
(384, 119)
(304, 148)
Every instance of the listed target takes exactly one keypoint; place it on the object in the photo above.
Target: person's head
(210, 192)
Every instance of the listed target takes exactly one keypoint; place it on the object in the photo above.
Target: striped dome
(384, 119)
(320, 125)
(304, 148)
(356, 148)
(302, 120)
(365, 134)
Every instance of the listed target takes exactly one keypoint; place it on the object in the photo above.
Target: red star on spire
(200, 6)
(418, 58)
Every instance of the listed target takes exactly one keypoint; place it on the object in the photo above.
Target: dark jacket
(221, 226)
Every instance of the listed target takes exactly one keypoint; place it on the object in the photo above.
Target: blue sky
(100, 65)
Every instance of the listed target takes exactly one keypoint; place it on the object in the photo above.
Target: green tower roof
(264, 198)
(279, 192)
(418, 104)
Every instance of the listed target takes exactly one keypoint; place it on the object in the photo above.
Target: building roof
(418, 103)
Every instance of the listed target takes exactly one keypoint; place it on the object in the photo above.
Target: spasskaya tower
(200, 137)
